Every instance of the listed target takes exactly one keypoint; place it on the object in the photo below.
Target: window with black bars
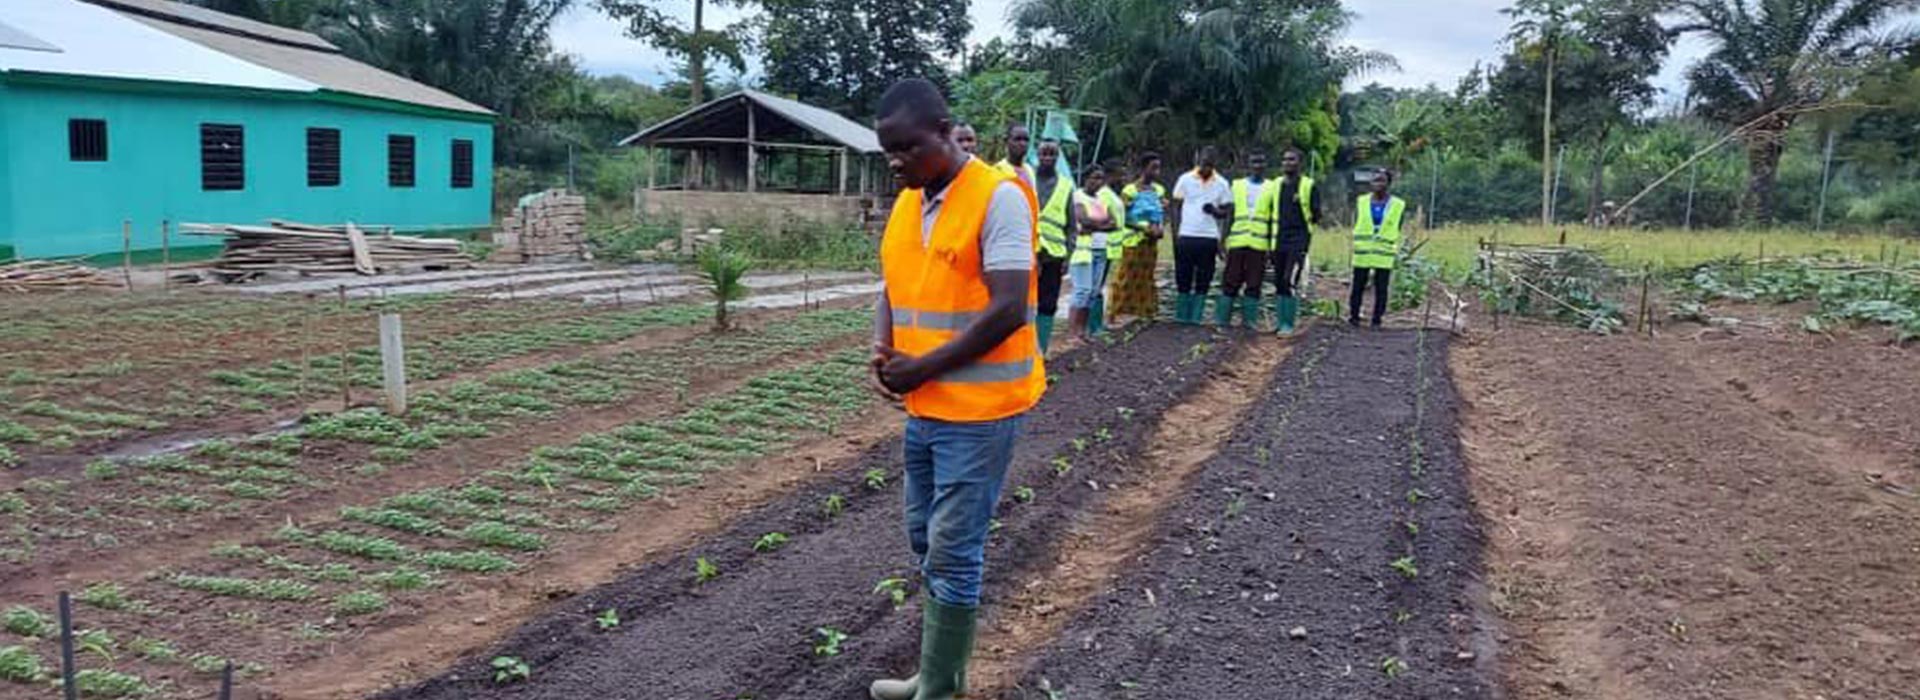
(399, 161)
(323, 157)
(223, 159)
(87, 140)
(462, 164)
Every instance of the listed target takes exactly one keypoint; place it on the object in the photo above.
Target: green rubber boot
(1249, 312)
(946, 644)
(1222, 310)
(1287, 309)
(1043, 326)
(1183, 311)
(1097, 320)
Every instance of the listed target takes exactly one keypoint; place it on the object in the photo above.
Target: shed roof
(174, 42)
(726, 117)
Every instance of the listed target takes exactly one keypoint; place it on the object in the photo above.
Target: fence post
(126, 252)
(346, 359)
(67, 671)
(393, 364)
(226, 681)
(166, 257)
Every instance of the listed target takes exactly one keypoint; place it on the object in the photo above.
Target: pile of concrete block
(545, 227)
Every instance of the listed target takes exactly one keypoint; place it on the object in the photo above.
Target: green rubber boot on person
(1222, 310)
(1097, 320)
(1183, 309)
(1043, 326)
(946, 644)
(1249, 312)
(1285, 310)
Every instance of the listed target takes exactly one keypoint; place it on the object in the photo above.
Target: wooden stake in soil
(166, 258)
(126, 252)
(346, 374)
(67, 670)
(1640, 320)
(393, 364)
(306, 344)
(226, 681)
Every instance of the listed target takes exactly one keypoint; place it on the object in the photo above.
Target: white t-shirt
(1194, 193)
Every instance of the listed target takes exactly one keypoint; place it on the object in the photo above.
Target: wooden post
(166, 257)
(752, 158)
(306, 343)
(843, 172)
(393, 363)
(126, 252)
(68, 671)
(1640, 320)
(226, 681)
(346, 357)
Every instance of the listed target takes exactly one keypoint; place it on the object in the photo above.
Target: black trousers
(1051, 270)
(1286, 271)
(1193, 259)
(1246, 272)
(1382, 286)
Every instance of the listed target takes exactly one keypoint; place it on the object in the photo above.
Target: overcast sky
(1436, 42)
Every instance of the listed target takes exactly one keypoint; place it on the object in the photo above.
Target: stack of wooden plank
(308, 249)
(546, 226)
(50, 275)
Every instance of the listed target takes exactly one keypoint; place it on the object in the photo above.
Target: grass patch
(27, 622)
(107, 595)
(255, 589)
(393, 519)
(502, 536)
(97, 683)
(359, 603)
(471, 561)
(20, 665)
(401, 579)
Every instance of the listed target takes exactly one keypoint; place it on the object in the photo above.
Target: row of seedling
(23, 659)
(1407, 566)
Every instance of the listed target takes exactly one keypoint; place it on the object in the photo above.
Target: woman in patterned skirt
(1145, 199)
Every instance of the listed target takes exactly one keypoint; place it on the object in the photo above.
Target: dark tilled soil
(752, 631)
(1272, 575)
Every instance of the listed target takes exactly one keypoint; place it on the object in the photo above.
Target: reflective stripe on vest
(1083, 242)
(1376, 247)
(1249, 223)
(937, 288)
(1053, 219)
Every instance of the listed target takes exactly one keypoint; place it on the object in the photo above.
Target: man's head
(1017, 140)
(1290, 162)
(965, 136)
(1208, 160)
(1257, 165)
(916, 131)
(1149, 165)
(1049, 156)
(1095, 177)
(1382, 179)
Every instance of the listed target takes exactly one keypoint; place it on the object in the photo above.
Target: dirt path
(1274, 572)
(750, 632)
(1683, 519)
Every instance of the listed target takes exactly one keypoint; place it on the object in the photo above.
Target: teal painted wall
(52, 206)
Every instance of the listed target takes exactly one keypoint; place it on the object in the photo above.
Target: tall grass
(1454, 247)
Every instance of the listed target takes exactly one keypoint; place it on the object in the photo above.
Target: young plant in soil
(894, 589)
(835, 505)
(876, 479)
(770, 541)
(27, 622)
(607, 620)
(20, 665)
(830, 640)
(94, 682)
(510, 669)
(1406, 567)
(704, 571)
(1023, 494)
(1393, 666)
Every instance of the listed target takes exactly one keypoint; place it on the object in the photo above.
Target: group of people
(1239, 227)
(971, 263)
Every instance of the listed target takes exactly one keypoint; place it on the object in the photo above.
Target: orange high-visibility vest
(937, 289)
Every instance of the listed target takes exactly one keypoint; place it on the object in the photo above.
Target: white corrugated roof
(173, 42)
(822, 123)
(95, 41)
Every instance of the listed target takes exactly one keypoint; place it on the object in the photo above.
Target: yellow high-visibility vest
(1376, 247)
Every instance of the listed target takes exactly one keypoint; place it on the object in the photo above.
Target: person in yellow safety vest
(1096, 210)
(952, 342)
(1055, 192)
(1016, 161)
(1291, 208)
(1248, 241)
(1134, 290)
(1376, 246)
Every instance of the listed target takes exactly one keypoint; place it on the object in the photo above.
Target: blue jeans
(954, 475)
(1088, 279)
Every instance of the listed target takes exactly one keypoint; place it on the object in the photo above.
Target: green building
(150, 111)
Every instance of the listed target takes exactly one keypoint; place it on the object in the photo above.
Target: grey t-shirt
(1006, 237)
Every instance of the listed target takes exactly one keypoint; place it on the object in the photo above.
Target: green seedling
(1406, 567)
(27, 622)
(20, 665)
(154, 650)
(894, 588)
(830, 640)
(207, 664)
(607, 619)
(1393, 666)
(97, 683)
(1416, 495)
(994, 525)
(1023, 494)
(95, 642)
(1125, 413)
(704, 571)
(102, 470)
(1079, 444)
(359, 603)
(471, 561)
(105, 595)
(1061, 466)
(1102, 435)
(836, 504)
(510, 669)
(1413, 528)
(401, 579)
(257, 589)
(876, 479)
(502, 536)
(770, 541)
(1402, 617)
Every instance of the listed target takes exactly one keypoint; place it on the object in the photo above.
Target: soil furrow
(1288, 566)
(751, 631)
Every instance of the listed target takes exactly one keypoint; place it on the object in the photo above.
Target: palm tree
(722, 269)
(1774, 59)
